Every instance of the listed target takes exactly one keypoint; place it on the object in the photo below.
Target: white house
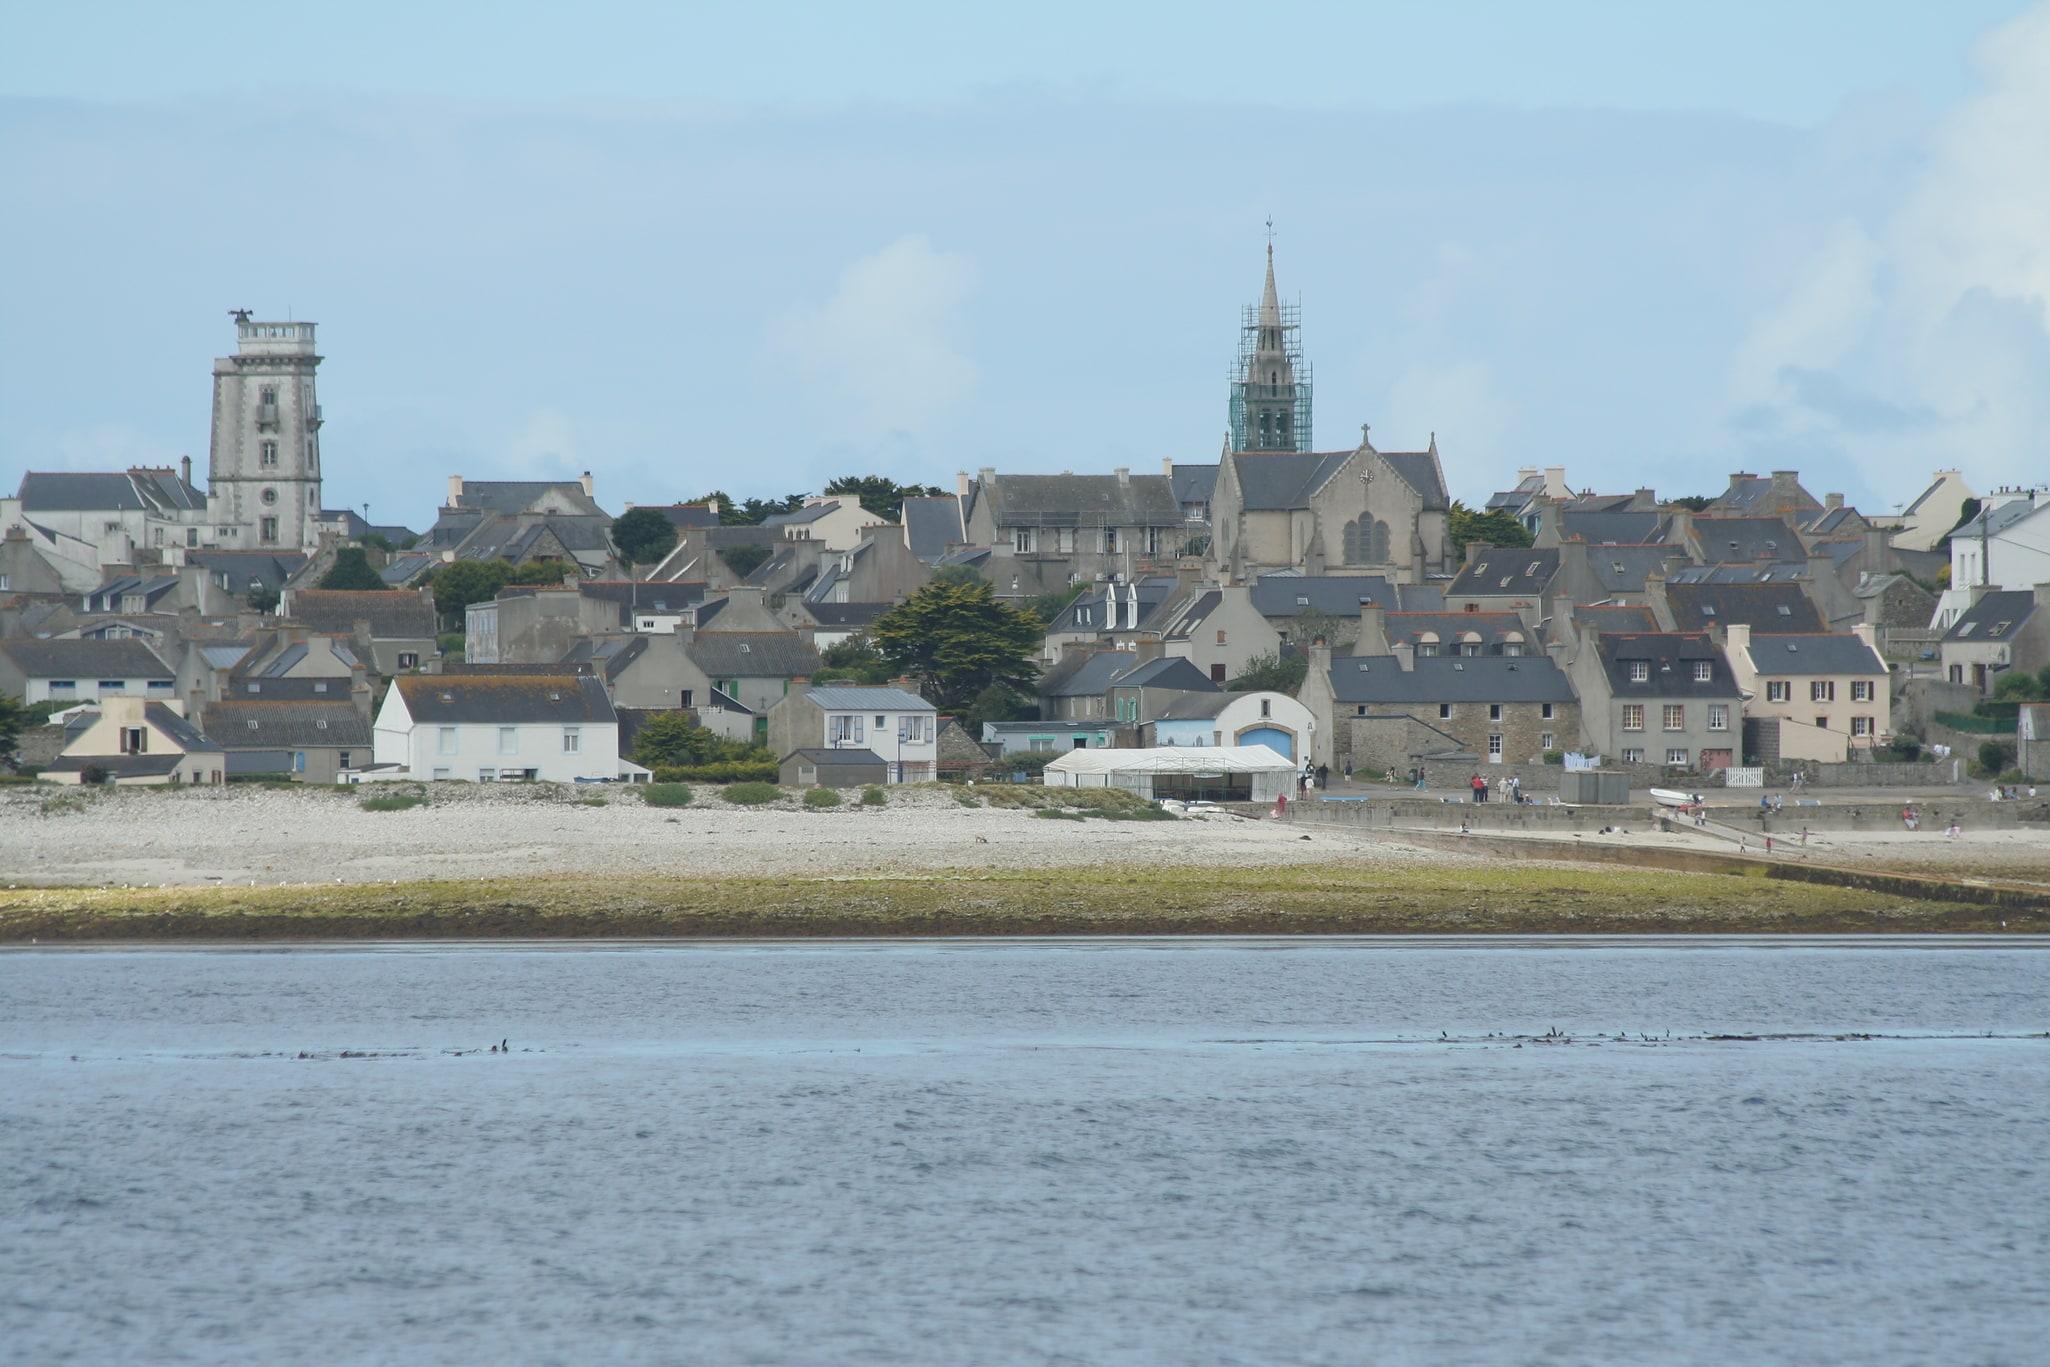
(896, 725)
(2007, 546)
(67, 672)
(1274, 720)
(488, 727)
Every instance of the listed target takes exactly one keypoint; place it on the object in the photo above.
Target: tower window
(270, 529)
(270, 496)
(268, 396)
(270, 453)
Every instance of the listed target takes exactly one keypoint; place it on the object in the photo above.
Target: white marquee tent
(1241, 773)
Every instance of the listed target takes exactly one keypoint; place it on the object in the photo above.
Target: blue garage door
(1280, 742)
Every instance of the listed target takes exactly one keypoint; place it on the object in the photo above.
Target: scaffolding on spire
(1270, 382)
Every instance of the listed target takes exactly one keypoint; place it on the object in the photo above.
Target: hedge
(1981, 726)
(755, 771)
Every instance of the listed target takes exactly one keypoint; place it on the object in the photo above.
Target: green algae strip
(1334, 898)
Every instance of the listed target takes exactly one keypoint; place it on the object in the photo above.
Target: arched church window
(1377, 544)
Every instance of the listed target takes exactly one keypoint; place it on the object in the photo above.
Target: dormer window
(2000, 628)
(1702, 671)
(1640, 671)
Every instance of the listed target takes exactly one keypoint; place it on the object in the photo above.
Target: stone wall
(1391, 735)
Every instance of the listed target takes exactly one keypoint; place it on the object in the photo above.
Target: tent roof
(1208, 759)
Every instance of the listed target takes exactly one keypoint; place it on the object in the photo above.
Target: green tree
(375, 541)
(465, 582)
(958, 640)
(856, 660)
(351, 570)
(880, 494)
(745, 560)
(1496, 528)
(12, 719)
(1051, 604)
(643, 536)
(998, 702)
(263, 597)
(966, 575)
(541, 573)
(1273, 673)
(2018, 687)
(674, 738)
(1696, 502)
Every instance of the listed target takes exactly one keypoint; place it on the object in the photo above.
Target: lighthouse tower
(264, 471)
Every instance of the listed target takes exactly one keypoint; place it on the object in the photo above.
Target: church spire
(1270, 393)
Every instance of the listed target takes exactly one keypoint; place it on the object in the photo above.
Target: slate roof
(683, 515)
(1190, 616)
(1275, 481)
(1670, 658)
(1747, 540)
(1194, 483)
(393, 614)
(248, 568)
(1978, 622)
(1600, 528)
(239, 725)
(1521, 572)
(1494, 628)
(126, 658)
(1616, 617)
(1419, 470)
(752, 654)
(404, 569)
(1623, 569)
(1792, 653)
(809, 513)
(931, 524)
(845, 757)
(1089, 675)
(843, 698)
(517, 495)
(109, 595)
(1779, 608)
(640, 595)
(1999, 519)
(289, 690)
(1780, 572)
(1166, 671)
(1090, 611)
(134, 490)
(1081, 500)
(610, 654)
(1445, 678)
(1196, 703)
(846, 614)
(123, 766)
(1333, 595)
(505, 699)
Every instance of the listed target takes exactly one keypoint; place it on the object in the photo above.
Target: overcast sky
(755, 247)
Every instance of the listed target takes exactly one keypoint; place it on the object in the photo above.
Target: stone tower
(1270, 392)
(264, 474)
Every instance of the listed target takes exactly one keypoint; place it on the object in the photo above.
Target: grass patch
(591, 802)
(398, 802)
(874, 797)
(1056, 814)
(750, 794)
(821, 797)
(667, 795)
(966, 801)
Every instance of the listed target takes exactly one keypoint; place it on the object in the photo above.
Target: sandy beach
(247, 834)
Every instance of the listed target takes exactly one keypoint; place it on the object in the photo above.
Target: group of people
(1508, 788)
(1310, 777)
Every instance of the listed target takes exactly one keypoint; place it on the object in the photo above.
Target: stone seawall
(1411, 813)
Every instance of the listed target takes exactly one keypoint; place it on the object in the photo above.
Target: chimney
(961, 484)
(1555, 482)
(455, 490)
(1476, 549)
(590, 485)
(1124, 475)
(1405, 656)
(1320, 659)
(2042, 592)
(1152, 648)
(1373, 639)
(1738, 635)
(1832, 501)
(185, 468)
(987, 474)
(800, 684)
(1867, 633)
(1167, 466)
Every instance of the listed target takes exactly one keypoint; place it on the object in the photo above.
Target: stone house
(836, 523)
(310, 740)
(1663, 698)
(1392, 711)
(1045, 532)
(1142, 692)
(392, 629)
(1810, 697)
(1323, 513)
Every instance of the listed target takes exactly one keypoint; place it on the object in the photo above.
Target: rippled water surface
(1032, 1152)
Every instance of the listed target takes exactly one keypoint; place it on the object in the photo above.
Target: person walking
(1324, 777)
(1479, 786)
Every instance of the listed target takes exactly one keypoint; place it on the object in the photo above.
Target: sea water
(1129, 1151)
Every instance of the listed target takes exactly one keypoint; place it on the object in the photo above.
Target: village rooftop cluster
(1334, 606)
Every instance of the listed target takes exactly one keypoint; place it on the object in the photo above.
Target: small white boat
(1671, 797)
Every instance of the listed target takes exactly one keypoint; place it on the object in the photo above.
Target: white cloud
(1919, 340)
(1459, 403)
(883, 358)
(544, 447)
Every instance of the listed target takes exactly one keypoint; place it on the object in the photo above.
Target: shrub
(667, 795)
(751, 794)
(874, 797)
(2011, 776)
(1993, 756)
(750, 771)
(1553, 756)
(397, 802)
(1056, 814)
(821, 797)
(279, 777)
(93, 774)
(591, 802)
(965, 800)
